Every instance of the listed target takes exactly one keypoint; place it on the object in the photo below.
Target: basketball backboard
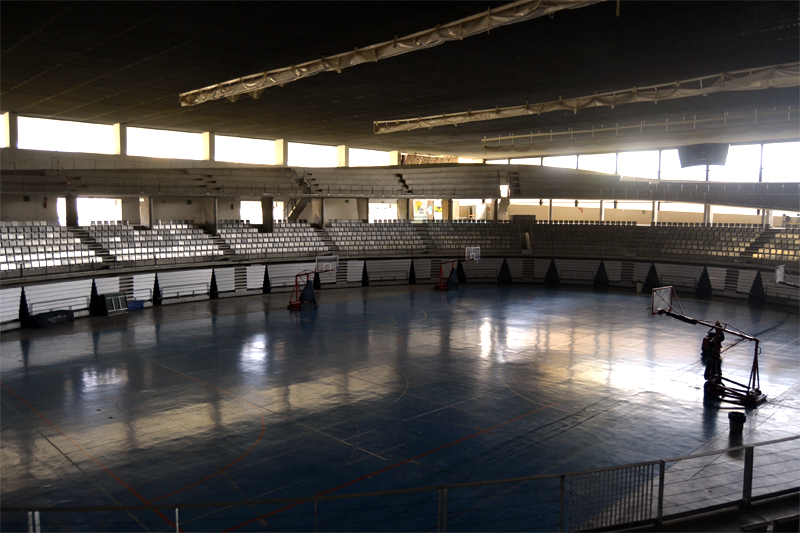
(664, 299)
(328, 263)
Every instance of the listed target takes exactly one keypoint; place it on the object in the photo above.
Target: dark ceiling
(111, 62)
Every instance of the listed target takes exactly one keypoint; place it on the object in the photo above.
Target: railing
(43, 307)
(121, 263)
(121, 185)
(52, 270)
(364, 190)
(679, 281)
(597, 499)
(178, 291)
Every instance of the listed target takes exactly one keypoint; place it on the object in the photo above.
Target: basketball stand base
(715, 390)
(302, 306)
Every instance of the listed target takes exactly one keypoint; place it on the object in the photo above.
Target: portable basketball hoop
(303, 298)
(665, 302)
(449, 282)
(782, 277)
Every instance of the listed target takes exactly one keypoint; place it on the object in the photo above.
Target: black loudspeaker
(703, 154)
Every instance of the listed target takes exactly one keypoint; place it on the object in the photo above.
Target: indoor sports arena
(399, 266)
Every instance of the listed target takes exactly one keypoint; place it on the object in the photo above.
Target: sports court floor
(381, 388)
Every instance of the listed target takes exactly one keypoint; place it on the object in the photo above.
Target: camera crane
(665, 302)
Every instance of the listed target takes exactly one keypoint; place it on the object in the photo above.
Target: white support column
(281, 152)
(144, 211)
(121, 139)
(394, 157)
(550, 210)
(602, 211)
(11, 129)
(362, 205)
(342, 156)
(766, 218)
(654, 213)
(209, 146)
(708, 215)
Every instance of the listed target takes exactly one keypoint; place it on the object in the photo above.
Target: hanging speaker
(703, 154)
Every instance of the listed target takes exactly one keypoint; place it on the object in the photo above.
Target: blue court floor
(381, 388)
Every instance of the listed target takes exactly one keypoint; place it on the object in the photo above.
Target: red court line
(401, 463)
(90, 456)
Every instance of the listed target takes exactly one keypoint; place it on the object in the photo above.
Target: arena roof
(110, 62)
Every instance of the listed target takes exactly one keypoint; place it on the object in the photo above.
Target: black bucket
(737, 421)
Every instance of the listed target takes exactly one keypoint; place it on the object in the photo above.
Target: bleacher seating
(488, 235)
(178, 240)
(474, 183)
(666, 240)
(39, 244)
(356, 182)
(377, 237)
(714, 242)
(582, 238)
(286, 238)
(783, 247)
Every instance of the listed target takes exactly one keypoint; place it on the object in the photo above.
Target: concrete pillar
(447, 209)
(144, 211)
(394, 157)
(209, 146)
(131, 211)
(342, 156)
(550, 210)
(654, 213)
(402, 209)
(317, 215)
(11, 128)
(502, 208)
(211, 213)
(281, 152)
(410, 209)
(708, 215)
(267, 221)
(151, 211)
(602, 211)
(362, 205)
(766, 217)
(493, 206)
(72, 210)
(121, 139)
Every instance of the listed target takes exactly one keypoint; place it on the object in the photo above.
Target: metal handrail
(430, 488)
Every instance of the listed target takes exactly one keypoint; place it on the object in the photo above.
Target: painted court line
(90, 456)
(386, 469)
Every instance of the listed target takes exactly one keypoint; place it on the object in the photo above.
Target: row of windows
(776, 162)
(67, 136)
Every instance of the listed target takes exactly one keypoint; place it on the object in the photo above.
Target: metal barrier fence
(593, 500)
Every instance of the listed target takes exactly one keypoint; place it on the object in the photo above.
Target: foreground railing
(590, 500)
